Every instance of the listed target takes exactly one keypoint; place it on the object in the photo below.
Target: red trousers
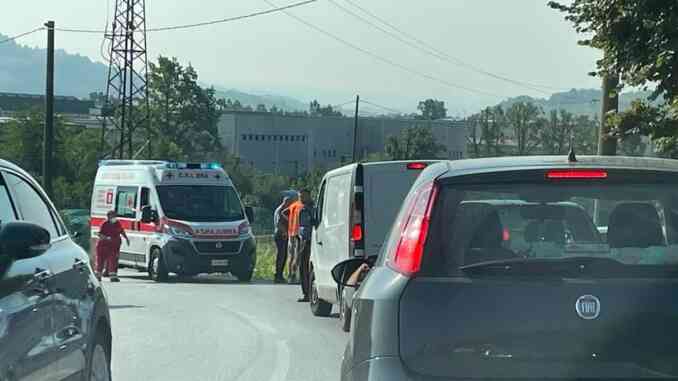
(107, 257)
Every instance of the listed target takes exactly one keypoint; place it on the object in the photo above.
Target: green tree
(432, 109)
(183, 114)
(524, 120)
(416, 142)
(315, 109)
(639, 39)
(261, 108)
(557, 132)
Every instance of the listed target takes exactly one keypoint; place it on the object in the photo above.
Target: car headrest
(532, 231)
(634, 225)
(488, 233)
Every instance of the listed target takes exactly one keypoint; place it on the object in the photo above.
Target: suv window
(31, 205)
(6, 207)
(479, 223)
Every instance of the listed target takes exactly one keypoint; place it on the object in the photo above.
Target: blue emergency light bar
(177, 165)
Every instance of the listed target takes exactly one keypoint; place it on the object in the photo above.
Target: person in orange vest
(292, 214)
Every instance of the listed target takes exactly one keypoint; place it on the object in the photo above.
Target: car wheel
(243, 268)
(319, 307)
(344, 315)
(99, 361)
(157, 270)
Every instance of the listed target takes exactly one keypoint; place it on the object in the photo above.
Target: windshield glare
(632, 224)
(200, 203)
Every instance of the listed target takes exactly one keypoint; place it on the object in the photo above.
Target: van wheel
(319, 307)
(344, 315)
(157, 269)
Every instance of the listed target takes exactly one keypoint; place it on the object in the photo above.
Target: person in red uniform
(108, 246)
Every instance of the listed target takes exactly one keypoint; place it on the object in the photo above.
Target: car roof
(353, 166)
(515, 163)
(11, 166)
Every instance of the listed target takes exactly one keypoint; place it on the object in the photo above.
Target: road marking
(282, 362)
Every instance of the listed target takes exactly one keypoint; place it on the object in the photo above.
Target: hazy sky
(520, 39)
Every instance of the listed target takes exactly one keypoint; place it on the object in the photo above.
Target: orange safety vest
(293, 218)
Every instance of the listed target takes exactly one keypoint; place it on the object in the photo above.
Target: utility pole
(48, 138)
(607, 145)
(355, 129)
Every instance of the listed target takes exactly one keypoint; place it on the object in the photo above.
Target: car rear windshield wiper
(547, 267)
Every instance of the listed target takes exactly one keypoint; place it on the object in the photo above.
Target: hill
(280, 101)
(22, 70)
(577, 101)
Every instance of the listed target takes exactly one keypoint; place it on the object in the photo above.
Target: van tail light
(357, 233)
(416, 166)
(576, 174)
(506, 235)
(408, 253)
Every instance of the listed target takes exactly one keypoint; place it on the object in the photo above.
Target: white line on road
(282, 363)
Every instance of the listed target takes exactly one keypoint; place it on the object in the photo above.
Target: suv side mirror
(148, 215)
(348, 273)
(22, 240)
(249, 212)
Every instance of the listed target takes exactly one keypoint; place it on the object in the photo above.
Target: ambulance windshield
(200, 203)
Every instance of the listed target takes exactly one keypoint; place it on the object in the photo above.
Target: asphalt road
(210, 328)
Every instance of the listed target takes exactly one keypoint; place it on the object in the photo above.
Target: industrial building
(292, 145)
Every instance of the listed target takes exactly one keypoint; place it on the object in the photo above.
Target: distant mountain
(280, 101)
(22, 70)
(577, 101)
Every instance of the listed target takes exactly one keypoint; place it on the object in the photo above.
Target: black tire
(99, 360)
(243, 269)
(319, 307)
(344, 314)
(157, 269)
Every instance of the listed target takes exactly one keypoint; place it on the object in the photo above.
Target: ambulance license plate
(219, 262)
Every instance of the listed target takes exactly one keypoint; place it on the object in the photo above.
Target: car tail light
(576, 174)
(357, 232)
(416, 166)
(506, 235)
(408, 253)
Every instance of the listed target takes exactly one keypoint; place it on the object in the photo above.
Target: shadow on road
(124, 307)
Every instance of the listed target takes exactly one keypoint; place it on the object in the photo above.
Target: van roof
(353, 166)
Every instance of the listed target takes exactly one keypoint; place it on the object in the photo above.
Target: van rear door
(385, 186)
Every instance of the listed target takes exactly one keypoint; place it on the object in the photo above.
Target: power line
(200, 24)
(386, 60)
(21, 35)
(427, 48)
(381, 107)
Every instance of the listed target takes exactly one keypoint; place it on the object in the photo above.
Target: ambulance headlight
(178, 232)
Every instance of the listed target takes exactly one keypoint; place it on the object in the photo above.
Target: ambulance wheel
(157, 269)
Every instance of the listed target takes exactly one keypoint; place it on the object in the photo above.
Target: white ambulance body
(180, 218)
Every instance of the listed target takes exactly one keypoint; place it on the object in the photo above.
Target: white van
(356, 207)
(181, 218)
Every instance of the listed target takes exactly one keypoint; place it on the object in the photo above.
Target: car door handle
(40, 279)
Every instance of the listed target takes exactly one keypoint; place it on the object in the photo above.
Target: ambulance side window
(126, 201)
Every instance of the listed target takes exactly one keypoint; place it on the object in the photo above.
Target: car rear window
(493, 222)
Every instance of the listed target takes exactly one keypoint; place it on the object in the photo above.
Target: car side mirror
(148, 215)
(249, 212)
(347, 273)
(22, 240)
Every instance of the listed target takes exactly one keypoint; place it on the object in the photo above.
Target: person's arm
(122, 233)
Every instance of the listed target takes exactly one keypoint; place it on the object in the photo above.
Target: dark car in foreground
(54, 319)
(465, 290)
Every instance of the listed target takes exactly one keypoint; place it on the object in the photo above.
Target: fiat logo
(588, 307)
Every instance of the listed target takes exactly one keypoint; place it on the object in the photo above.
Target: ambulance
(180, 218)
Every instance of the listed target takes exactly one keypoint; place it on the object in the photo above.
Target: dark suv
(54, 320)
(495, 269)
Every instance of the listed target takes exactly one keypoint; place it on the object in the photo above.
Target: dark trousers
(281, 255)
(304, 268)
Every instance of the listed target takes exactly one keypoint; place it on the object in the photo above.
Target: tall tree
(558, 132)
(432, 109)
(416, 142)
(524, 120)
(639, 40)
